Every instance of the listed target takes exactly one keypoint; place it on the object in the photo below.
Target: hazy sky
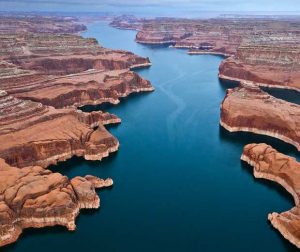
(135, 5)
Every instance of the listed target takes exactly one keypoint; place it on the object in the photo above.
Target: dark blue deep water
(179, 182)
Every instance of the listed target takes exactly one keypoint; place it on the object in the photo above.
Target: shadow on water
(67, 166)
(37, 232)
(289, 247)
(54, 230)
(106, 107)
(284, 94)
(243, 138)
(158, 46)
(269, 184)
(283, 194)
(226, 84)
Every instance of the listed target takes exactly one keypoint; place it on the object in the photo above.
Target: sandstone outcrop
(272, 165)
(248, 108)
(269, 62)
(35, 134)
(35, 197)
(39, 71)
(12, 24)
(264, 51)
(46, 72)
(67, 70)
(221, 36)
(85, 88)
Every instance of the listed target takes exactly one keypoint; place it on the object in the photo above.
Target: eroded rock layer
(35, 134)
(248, 108)
(264, 51)
(39, 24)
(67, 70)
(46, 72)
(270, 62)
(35, 197)
(272, 165)
(217, 36)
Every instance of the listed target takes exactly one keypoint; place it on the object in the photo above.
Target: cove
(179, 184)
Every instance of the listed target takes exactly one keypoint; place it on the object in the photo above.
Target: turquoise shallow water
(179, 182)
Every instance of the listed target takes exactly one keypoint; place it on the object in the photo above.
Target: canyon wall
(273, 62)
(46, 73)
(248, 108)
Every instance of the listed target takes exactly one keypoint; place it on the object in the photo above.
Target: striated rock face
(273, 62)
(67, 70)
(35, 134)
(46, 72)
(84, 88)
(221, 36)
(272, 165)
(39, 24)
(248, 108)
(38, 70)
(35, 197)
(63, 53)
(263, 51)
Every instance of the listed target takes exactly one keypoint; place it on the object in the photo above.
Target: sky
(148, 6)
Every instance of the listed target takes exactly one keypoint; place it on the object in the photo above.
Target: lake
(179, 184)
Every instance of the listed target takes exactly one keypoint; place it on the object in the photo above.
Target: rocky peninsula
(248, 108)
(47, 71)
(271, 165)
(36, 197)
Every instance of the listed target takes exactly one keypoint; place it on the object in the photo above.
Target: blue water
(179, 182)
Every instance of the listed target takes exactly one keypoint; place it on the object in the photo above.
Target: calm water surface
(179, 182)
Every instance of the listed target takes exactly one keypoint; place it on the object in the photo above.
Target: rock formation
(35, 134)
(269, 62)
(221, 36)
(67, 70)
(272, 165)
(46, 73)
(248, 108)
(16, 24)
(264, 51)
(35, 197)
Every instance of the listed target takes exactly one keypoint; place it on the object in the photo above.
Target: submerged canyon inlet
(179, 184)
